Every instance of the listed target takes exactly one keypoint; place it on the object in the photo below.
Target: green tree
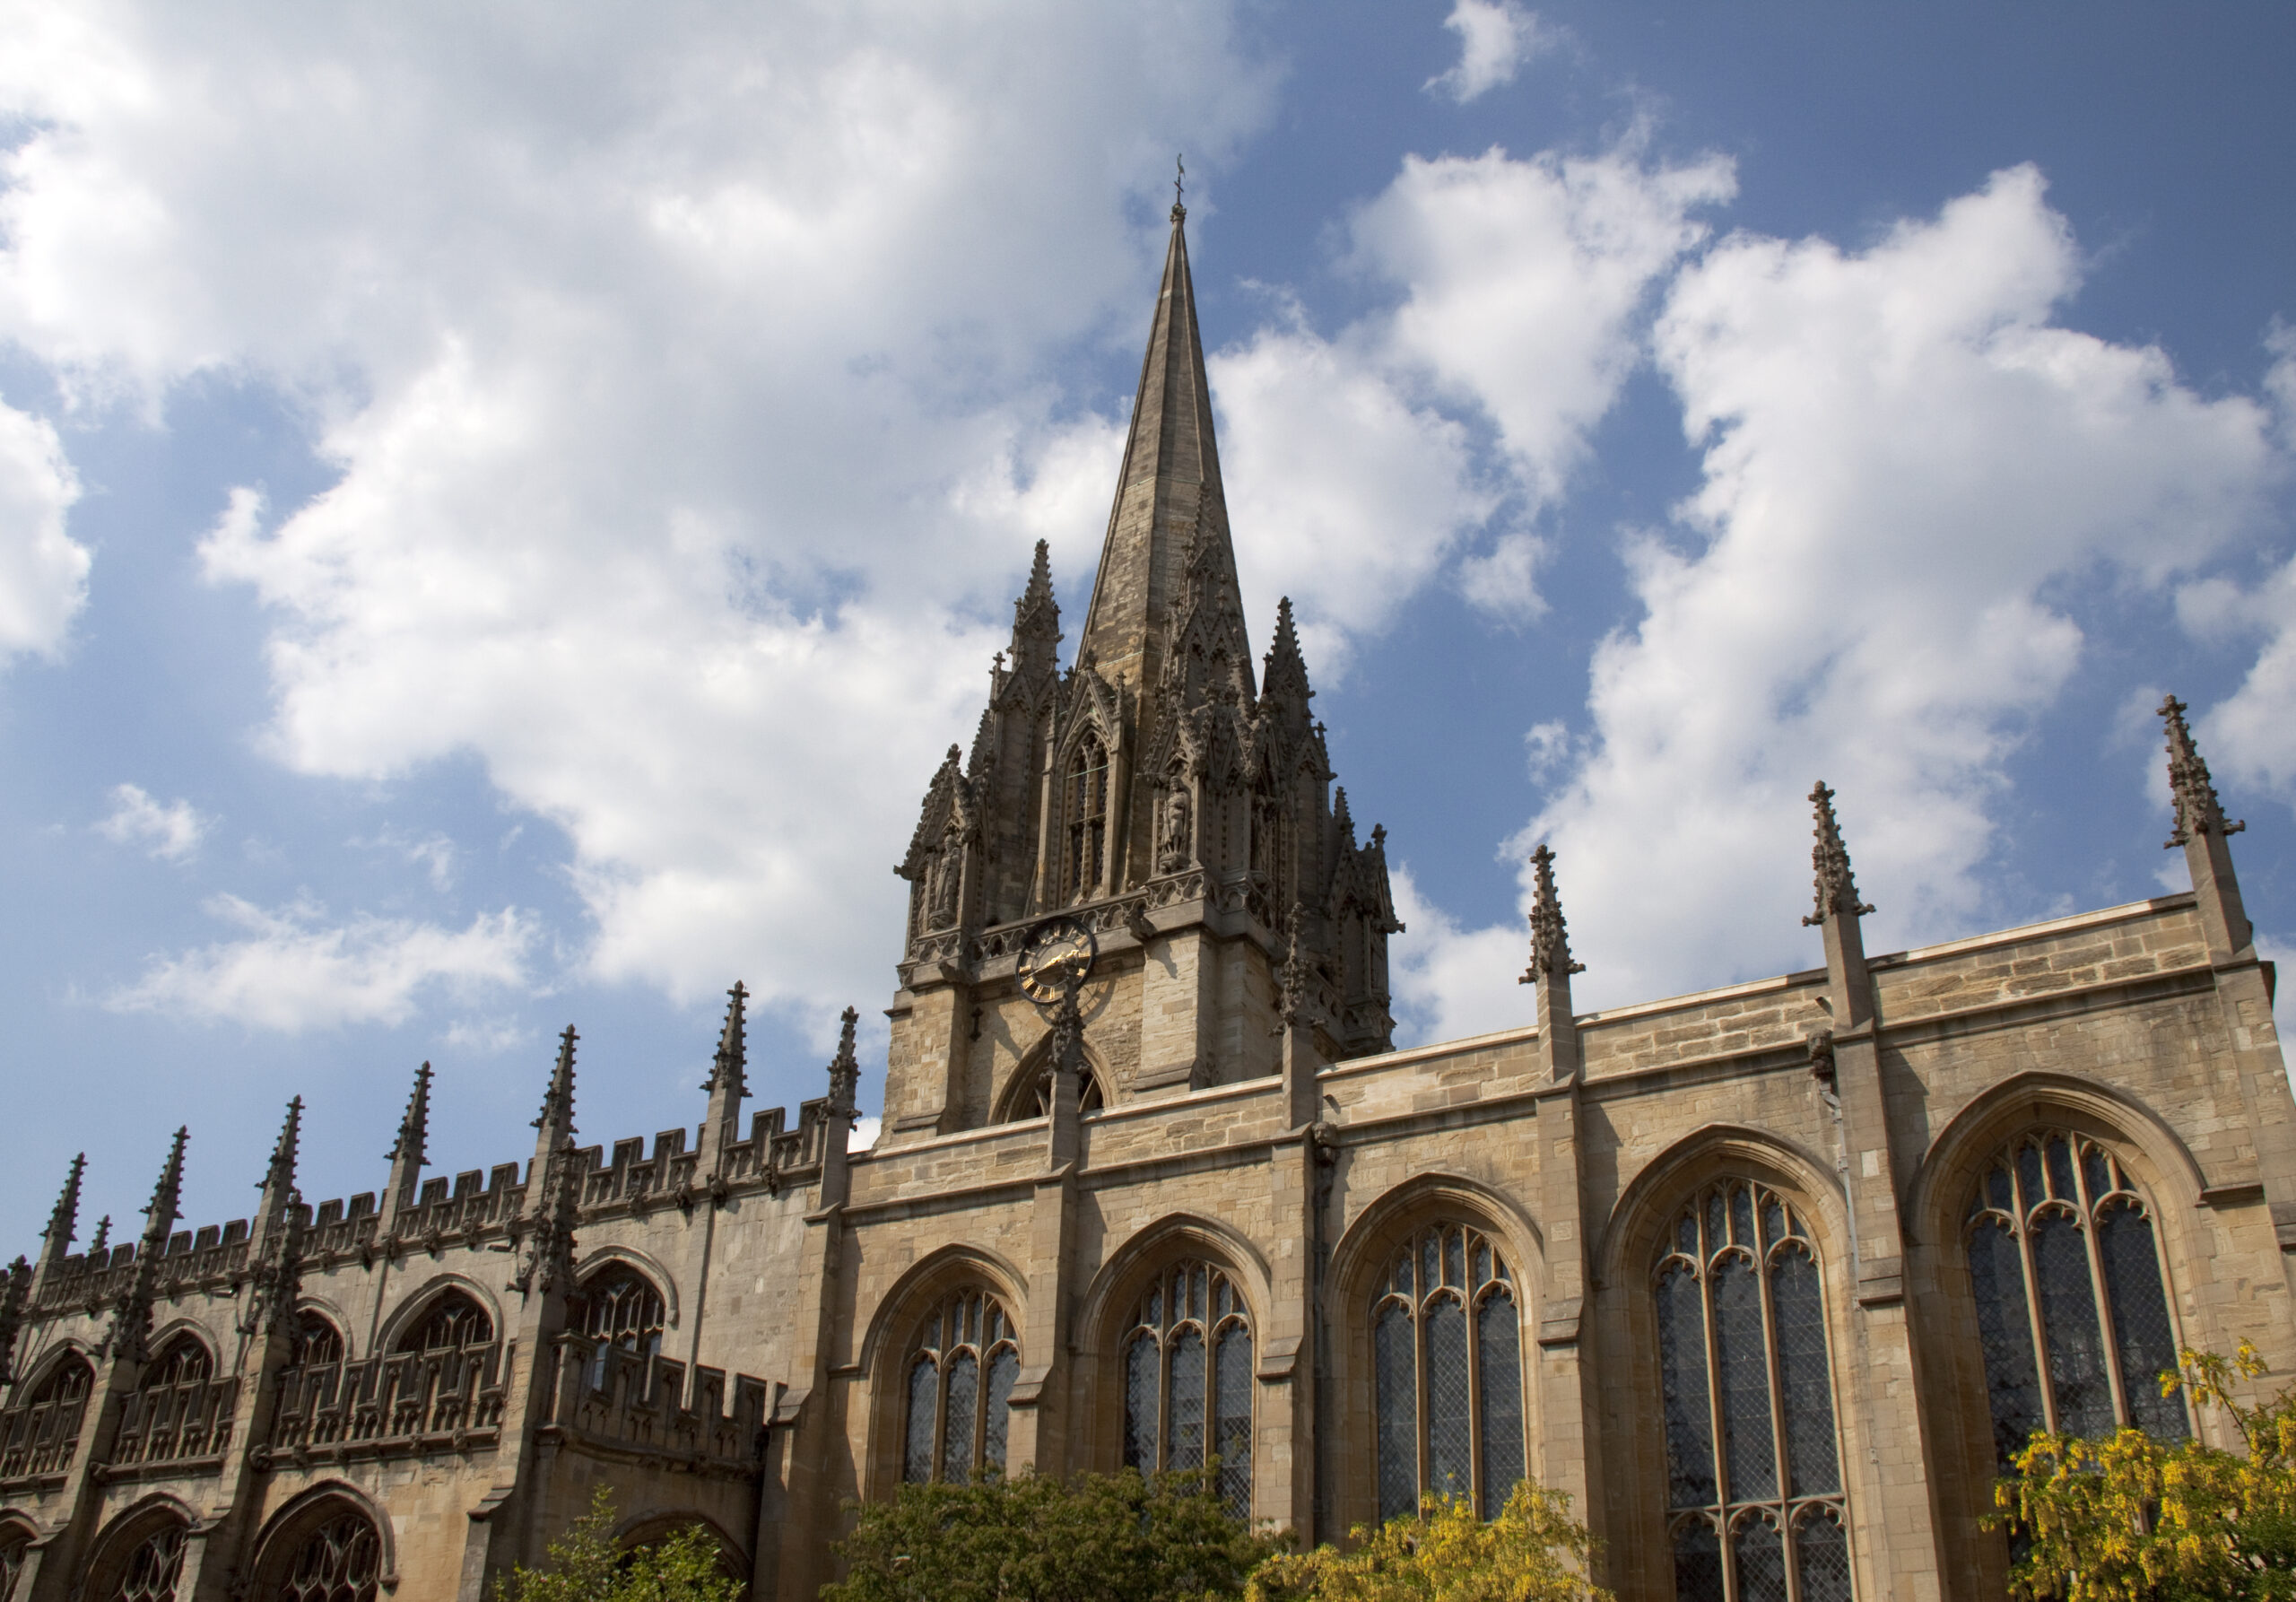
(584, 1565)
(1033, 1538)
(2130, 1518)
(1533, 1552)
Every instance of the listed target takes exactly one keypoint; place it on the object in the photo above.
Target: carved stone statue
(1172, 849)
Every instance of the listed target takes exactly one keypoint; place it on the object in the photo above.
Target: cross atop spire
(1179, 187)
(1550, 936)
(2192, 790)
(1837, 892)
(1168, 494)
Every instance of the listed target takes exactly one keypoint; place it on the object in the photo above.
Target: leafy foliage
(1533, 1552)
(2131, 1519)
(1093, 1539)
(584, 1565)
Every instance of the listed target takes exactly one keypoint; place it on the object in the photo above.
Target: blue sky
(500, 514)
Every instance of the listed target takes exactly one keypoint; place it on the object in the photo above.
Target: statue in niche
(1172, 851)
(947, 879)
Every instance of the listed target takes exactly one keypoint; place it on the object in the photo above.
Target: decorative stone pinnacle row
(2190, 789)
(1550, 935)
(1837, 890)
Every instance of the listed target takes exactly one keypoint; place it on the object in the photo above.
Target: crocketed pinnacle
(162, 1212)
(2190, 789)
(414, 1127)
(1550, 936)
(1837, 892)
(279, 1178)
(65, 1215)
(1168, 494)
(845, 1068)
(729, 1070)
(1286, 674)
(556, 1120)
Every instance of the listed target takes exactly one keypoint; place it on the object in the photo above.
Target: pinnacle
(557, 1117)
(1550, 936)
(282, 1155)
(66, 1212)
(733, 1044)
(845, 1068)
(163, 1211)
(1837, 891)
(2191, 790)
(414, 1127)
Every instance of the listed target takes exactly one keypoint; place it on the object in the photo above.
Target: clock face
(1055, 961)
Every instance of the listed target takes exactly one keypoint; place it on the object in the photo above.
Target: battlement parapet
(402, 1404)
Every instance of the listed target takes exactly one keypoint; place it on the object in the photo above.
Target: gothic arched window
(152, 1569)
(618, 1306)
(67, 1381)
(962, 1367)
(1034, 1099)
(2063, 1262)
(315, 1342)
(1187, 1379)
(1086, 810)
(453, 1321)
(1448, 1363)
(1742, 1362)
(182, 1361)
(14, 1542)
(339, 1561)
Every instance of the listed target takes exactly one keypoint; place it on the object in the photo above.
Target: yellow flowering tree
(2131, 1519)
(1533, 1552)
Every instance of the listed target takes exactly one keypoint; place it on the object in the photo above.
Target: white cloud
(43, 572)
(293, 971)
(864, 1133)
(1901, 450)
(172, 833)
(1451, 981)
(1496, 39)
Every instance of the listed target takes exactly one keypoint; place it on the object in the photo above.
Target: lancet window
(618, 1306)
(1086, 810)
(1448, 1363)
(180, 1362)
(152, 1570)
(339, 1561)
(962, 1367)
(1187, 1380)
(14, 1543)
(67, 1381)
(315, 1342)
(453, 1321)
(2071, 1313)
(1753, 1469)
(1034, 1099)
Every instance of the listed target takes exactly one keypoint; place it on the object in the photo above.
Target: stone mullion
(2097, 1289)
(1777, 1400)
(2021, 1221)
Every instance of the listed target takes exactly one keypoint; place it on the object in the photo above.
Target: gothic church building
(1768, 1278)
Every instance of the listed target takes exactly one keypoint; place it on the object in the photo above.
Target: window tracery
(1742, 1367)
(1447, 1369)
(339, 1561)
(453, 1321)
(152, 1569)
(618, 1306)
(1034, 1100)
(14, 1542)
(1187, 1379)
(1086, 811)
(2062, 1264)
(314, 1342)
(962, 1368)
(182, 1361)
(67, 1381)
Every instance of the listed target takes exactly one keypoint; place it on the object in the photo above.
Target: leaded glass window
(962, 1367)
(1448, 1368)
(315, 1342)
(1754, 1463)
(180, 1362)
(152, 1569)
(453, 1321)
(2072, 1312)
(1187, 1379)
(14, 1543)
(339, 1561)
(618, 1306)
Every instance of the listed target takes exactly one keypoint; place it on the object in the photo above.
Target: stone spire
(131, 1321)
(55, 1240)
(1035, 621)
(273, 1276)
(1837, 892)
(727, 1084)
(1283, 681)
(408, 1151)
(1550, 970)
(2202, 830)
(1167, 495)
(546, 1260)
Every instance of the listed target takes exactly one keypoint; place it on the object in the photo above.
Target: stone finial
(414, 1127)
(279, 1178)
(274, 1277)
(556, 1118)
(1550, 936)
(2190, 789)
(728, 1071)
(1837, 891)
(845, 1068)
(162, 1212)
(65, 1215)
(131, 1321)
(99, 1243)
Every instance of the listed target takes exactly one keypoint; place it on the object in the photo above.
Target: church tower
(1157, 795)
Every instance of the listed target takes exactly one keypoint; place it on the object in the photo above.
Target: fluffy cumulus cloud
(1902, 446)
(171, 832)
(291, 970)
(1496, 38)
(687, 377)
(43, 570)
